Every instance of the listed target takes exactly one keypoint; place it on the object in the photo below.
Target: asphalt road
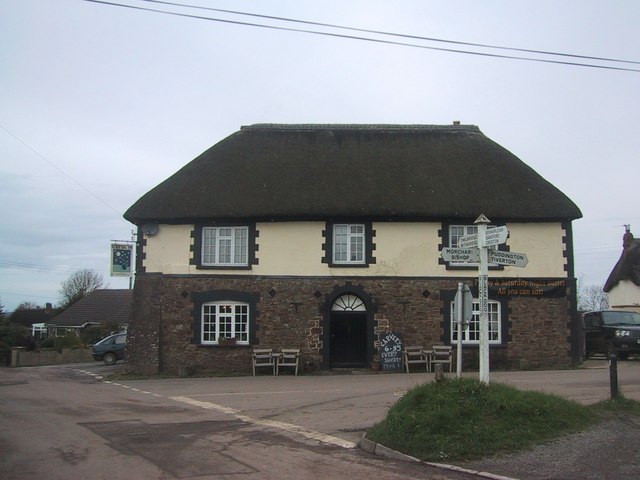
(66, 422)
(69, 422)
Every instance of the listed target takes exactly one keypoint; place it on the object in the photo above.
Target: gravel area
(607, 451)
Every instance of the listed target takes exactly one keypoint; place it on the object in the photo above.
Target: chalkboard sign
(391, 352)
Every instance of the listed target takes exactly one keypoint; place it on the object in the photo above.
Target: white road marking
(206, 405)
(283, 392)
(288, 427)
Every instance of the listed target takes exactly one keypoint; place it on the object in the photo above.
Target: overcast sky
(99, 103)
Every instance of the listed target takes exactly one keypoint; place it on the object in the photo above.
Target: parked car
(110, 349)
(612, 332)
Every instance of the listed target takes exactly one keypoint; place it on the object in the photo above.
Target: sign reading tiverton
(512, 259)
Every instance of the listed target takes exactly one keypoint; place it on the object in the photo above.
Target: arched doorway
(348, 332)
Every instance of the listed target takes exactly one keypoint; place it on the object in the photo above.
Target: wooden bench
(288, 357)
(263, 357)
(414, 355)
(441, 354)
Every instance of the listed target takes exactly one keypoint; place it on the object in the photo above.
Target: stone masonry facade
(292, 313)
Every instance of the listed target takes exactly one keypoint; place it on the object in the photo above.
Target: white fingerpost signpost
(463, 305)
(483, 296)
(475, 249)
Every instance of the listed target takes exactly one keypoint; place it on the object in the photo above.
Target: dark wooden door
(348, 339)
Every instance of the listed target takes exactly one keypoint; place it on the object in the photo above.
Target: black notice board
(391, 352)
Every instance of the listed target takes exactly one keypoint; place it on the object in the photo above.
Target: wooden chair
(263, 357)
(441, 354)
(414, 354)
(288, 357)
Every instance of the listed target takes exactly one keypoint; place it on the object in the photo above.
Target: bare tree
(27, 305)
(592, 297)
(78, 285)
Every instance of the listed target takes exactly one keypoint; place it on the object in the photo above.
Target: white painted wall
(168, 251)
(542, 242)
(402, 249)
(625, 295)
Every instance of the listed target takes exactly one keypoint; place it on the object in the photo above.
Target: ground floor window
(471, 333)
(225, 320)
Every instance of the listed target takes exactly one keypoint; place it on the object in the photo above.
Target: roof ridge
(361, 126)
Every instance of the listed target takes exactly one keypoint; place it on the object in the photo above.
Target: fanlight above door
(348, 303)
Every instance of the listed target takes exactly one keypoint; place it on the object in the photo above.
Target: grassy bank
(464, 419)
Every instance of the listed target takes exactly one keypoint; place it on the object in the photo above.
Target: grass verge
(463, 419)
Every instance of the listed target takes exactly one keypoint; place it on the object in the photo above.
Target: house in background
(326, 237)
(34, 318)
(100, 307)
(623, 284)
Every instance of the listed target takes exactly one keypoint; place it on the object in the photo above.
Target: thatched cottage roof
(628, 266)
(282, 172)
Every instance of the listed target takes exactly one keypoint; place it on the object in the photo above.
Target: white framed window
(457, 231)
(348, 243)
(225, 319)
(471, 333)
(225, 246)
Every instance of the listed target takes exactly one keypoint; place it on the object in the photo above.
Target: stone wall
(291, 313)
(20, 357)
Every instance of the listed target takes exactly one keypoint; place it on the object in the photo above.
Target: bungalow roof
(98, 307)
(278, 172)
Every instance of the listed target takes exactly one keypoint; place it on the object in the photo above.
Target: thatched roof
(628, 266)
(98, 307)
(379, 171)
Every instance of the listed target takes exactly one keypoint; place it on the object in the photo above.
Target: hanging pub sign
(391, 352)
(121, 259)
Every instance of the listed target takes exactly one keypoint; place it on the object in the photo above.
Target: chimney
(627, 238)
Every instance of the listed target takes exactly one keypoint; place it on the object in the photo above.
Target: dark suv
(110, 349)
(612, 332)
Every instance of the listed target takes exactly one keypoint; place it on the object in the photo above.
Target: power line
(60, 170)
(368, 39)
(33, 267)
(380, 32)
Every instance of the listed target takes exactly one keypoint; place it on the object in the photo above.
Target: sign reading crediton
(494, 236)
